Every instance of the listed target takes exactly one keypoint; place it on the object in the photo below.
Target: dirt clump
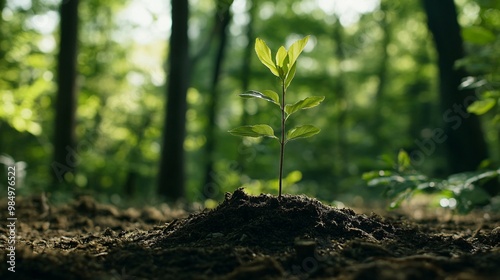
(246, 237)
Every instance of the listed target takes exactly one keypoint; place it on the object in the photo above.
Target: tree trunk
(134, 155)
(2, 30)
(382, 74)
(341, 146)
(223, 18)
(171, 183)
(463, 133)
(244, 154)
(2, 62)
(65, 154)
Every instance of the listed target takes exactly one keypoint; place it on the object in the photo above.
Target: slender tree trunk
(342, 103)
(134, 155)
(223, 18)
(2, 30)
(171, 184)
(382, 75)
(243, 155)
(248, 52)
(2, 55)
(65, 157)
(422, 113)
(104, 29)
(464, 136)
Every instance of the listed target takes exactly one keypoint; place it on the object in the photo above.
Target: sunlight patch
(348, 12)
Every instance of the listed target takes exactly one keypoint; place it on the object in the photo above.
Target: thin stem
(282, 140)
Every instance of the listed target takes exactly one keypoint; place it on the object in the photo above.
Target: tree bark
(171, 183)
(129, 187)
(2, 55)
(223, 17)
(65, 155)
(2, 29)
(382, 74)
(341, 147)
(464, 136)
(244, 154)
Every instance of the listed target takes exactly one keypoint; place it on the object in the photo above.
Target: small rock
(495, 235)
(305, 249)
(108, 232)
(215, 235)
(243, 237)
(131, 214)
(151, 214)
(495, 231)
(259, 268)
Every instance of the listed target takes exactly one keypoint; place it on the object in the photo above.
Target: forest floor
(245, 237)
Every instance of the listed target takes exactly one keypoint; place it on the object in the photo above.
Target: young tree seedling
(283, 67)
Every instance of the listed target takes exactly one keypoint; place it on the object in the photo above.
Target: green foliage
(121, 98)
(478, 35)
(303, 131)
(284, 68)
(258, 130)
(483, 53)
(480, 107)
(403, 182)
(267, 95)
(309, 102)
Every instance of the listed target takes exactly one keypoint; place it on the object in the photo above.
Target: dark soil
(245, 237)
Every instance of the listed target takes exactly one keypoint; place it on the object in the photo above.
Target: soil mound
(266, 221)
(245, 237)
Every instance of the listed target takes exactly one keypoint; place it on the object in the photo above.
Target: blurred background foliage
(373, 60)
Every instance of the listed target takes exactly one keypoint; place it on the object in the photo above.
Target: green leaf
(280, 56)
(305, 103)
(296, 49)
(267, 95)
(491, 94)
(273, 95)
(290, 76)
(481, 177)
(303, 131)
(367, 176)
(258, 130)
(403, 160)
(496, 120)
(478, 35)
(471, 83)
(282, 62)
(264, 54)
(473, 197)
(293, 177)
(480, 107)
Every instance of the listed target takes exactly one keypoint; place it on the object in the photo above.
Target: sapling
(283, 67)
